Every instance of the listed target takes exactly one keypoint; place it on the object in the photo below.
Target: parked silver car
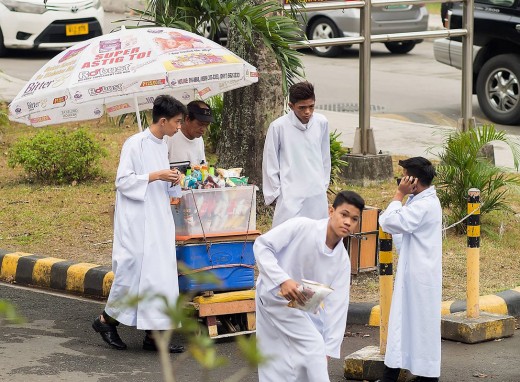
(346, 23)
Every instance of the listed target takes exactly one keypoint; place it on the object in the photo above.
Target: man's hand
(172, 176)
(289, 290)
(407, 186)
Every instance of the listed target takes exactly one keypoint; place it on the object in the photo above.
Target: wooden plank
(234, 334)
(218, 237)
(251, 321)
(211, 322)
(231, 307)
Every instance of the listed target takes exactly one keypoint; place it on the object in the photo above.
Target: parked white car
(48, 24)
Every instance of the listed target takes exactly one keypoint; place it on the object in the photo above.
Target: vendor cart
(215, 232)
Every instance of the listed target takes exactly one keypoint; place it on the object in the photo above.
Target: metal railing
(364, 140)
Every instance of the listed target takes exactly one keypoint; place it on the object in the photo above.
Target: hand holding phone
(407, 185)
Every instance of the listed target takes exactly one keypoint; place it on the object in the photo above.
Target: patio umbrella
(122, 72)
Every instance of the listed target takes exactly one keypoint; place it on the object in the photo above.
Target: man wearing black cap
(188, 144)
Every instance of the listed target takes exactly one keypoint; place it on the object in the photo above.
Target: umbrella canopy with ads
(122, 72)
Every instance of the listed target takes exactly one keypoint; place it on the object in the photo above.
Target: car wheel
(498, 89)
(3, 50)
(400, 47)
(324, 28)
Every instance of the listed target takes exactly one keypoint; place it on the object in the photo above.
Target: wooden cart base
(226, 319)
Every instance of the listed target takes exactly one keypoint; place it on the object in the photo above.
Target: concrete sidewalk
(407, 138)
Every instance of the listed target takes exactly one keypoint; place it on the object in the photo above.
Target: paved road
(57, 344)
(412, 87)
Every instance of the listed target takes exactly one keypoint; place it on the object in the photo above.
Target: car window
(498, 3)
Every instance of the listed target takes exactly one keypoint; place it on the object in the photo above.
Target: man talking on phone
(414, 328)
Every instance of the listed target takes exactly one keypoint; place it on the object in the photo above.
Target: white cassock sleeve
(269, 247)
(175, 191)
(325, 150)
(336, 309)
(271, 166)
(131, 184)
(398, 219)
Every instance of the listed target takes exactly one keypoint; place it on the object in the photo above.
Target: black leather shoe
(109, 334)
(149, 344)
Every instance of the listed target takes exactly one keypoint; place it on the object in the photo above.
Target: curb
(503, 303)
(93, 280)
(53, 273)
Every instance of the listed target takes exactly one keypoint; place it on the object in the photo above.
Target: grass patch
(73, 221)
(434, 8)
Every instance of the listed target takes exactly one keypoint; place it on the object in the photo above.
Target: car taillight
(447, 20)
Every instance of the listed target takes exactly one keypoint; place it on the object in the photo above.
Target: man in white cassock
(298, 343)
(296, 160)
(414, 329)
(143, 255)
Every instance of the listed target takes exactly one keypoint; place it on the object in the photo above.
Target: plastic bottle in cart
(204, 171)
(196, 173)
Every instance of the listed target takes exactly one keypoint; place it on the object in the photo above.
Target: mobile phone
(398, 180)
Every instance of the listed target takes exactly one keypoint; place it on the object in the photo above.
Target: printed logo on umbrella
(105, 89)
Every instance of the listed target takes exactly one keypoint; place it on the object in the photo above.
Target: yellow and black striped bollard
(473, 253)
(385, 285)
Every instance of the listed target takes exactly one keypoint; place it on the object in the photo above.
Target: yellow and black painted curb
(50, 272)
(504, 303)
(94, 280)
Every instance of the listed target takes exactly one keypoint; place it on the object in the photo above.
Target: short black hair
(349, 197)
(420, 168)
(165, 106)
(301, 91)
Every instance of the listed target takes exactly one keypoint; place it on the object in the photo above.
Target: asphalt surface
(57, 343)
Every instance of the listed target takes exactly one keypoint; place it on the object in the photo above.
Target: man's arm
(271, 166)
(128, 180)
(325, 152)
(335, 311)
(271, 246)
(399, 219)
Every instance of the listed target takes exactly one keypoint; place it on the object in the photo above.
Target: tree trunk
(248, 111)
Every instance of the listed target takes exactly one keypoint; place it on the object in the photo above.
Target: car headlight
(22, 6)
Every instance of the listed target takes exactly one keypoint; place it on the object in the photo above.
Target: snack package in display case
(215, 211)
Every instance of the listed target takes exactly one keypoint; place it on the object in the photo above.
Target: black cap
(200, 113)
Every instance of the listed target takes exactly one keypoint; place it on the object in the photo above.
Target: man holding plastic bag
(300, 262)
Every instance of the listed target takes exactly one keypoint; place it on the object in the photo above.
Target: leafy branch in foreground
(201, 347)
(8, 313)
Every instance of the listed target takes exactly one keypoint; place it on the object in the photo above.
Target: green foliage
(214, 132)
(8, 312)
(336, 152)
(3, 119)
(58, 156)
(201, 347)
(463, 166)
(268, 19)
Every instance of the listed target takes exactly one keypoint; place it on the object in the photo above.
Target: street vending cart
(215, 230)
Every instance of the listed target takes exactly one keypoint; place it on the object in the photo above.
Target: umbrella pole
(136, 104)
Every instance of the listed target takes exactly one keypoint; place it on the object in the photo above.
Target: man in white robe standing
(143, 255)
(296, 160)
(297, 343)
(414, 329)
